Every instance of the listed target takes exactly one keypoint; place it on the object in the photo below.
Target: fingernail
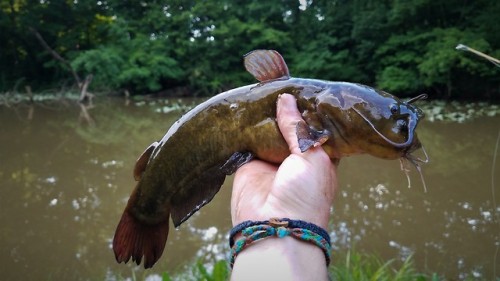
(278, 100)
(279, 97)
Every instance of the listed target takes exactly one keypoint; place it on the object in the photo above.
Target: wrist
(282, 259)
(282, 248)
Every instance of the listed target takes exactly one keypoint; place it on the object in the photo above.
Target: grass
(364, 267)
(354, 266)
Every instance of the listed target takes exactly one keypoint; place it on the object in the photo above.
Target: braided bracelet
(256, 230)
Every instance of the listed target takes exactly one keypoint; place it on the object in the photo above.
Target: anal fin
(196, 194)
(201, 189)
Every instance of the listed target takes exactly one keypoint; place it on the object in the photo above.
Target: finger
(288, 115)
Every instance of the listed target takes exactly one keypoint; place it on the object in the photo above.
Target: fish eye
(394, 109)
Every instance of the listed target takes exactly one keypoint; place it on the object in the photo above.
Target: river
(66, 174)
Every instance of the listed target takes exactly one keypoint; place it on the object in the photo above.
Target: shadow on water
(66, 176)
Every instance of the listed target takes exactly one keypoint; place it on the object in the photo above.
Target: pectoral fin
(235, 161)
(309, 137)
(142, 162)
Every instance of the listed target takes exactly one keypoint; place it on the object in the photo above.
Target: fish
(182, 172)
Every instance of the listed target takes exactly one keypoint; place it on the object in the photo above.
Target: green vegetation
(195, 47)
(361, 267)
(354, 266)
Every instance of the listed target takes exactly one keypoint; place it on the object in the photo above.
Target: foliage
(104, 61)
(355, 266)
(360, 267)
(129, 62)
(199, 271)
(219, 272)
(405, 47)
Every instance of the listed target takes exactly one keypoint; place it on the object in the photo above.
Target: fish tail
(136, 239)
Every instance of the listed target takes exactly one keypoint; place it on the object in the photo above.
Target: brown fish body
(182, 172)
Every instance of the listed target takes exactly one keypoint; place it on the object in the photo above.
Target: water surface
(66, 174)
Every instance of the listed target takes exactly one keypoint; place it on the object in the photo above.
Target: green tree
(66, 26)
(149, 46)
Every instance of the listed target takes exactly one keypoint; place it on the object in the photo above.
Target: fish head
(393, 125)
(397, 125)
(365, 120)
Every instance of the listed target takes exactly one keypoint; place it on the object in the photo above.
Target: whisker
(419, 97)
(416, 163)
(418, 159)
(404, 168)
(421, 176)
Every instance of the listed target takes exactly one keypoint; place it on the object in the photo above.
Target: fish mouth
(408, 158)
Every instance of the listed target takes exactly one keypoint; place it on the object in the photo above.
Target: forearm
(284, 258)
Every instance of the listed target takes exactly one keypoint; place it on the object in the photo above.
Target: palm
(302, 187)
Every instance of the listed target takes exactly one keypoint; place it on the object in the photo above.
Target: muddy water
(65, 176)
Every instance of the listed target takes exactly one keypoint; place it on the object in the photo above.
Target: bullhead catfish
(185, 169)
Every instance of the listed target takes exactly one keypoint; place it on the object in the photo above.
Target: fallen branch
(476, 52)
(84, 94)
(82, 86)
(29, 93)
(56, 55)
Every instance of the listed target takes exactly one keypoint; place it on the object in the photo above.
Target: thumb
(288, 115)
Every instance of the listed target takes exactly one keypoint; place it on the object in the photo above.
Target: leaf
(166, 277)
(203, 272)
(221, 271)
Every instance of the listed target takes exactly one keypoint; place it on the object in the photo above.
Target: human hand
(302, 187)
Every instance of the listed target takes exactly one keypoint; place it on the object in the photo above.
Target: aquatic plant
(454, 111)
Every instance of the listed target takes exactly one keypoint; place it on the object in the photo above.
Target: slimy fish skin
(182, 172)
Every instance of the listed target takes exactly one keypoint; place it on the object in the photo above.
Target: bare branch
(56, 56)
(84, 94)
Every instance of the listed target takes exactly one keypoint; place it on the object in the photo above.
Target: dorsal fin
(142, 162)
(266, 65)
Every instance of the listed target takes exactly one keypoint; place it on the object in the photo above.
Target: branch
(56, 56)
(478, 53)
(84, 94)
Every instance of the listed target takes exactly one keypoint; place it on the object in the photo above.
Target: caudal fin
(135, 239)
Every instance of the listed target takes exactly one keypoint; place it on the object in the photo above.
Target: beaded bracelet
(256, 230)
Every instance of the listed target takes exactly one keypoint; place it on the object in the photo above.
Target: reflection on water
(65, 175)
